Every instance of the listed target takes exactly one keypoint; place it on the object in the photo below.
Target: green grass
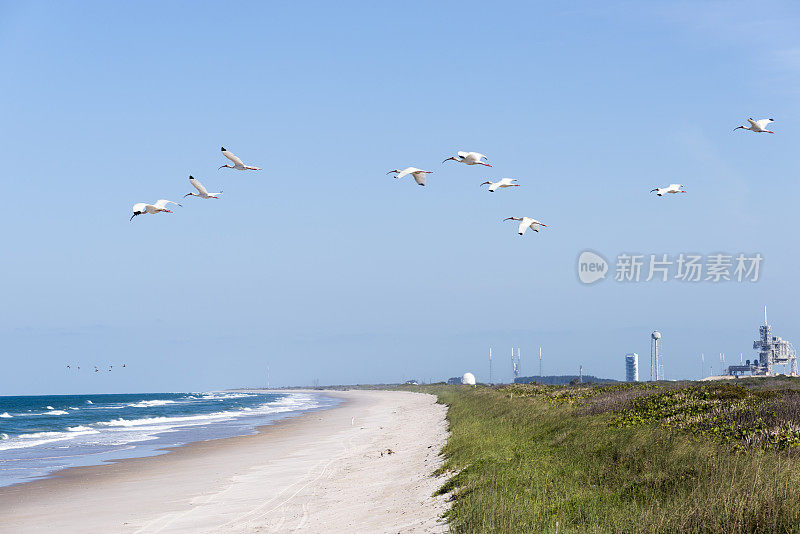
(643, 458)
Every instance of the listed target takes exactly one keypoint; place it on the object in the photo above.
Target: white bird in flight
(418, 174)
(671, 188)
(201, 190)
(759, 126)
(237, 163)
(504, 182)
(469, 158)
(161, 205)
(525, 223)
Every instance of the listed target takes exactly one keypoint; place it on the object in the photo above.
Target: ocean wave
(149, 403)
(218, 395)
(122, 430)
(290, 403)
(89, 402)
(56, 412)
(73, 408)
(24, 441)
(49, 407)
(5, 415)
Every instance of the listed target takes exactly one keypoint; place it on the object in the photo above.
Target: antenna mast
(490, 366)
(540, 361)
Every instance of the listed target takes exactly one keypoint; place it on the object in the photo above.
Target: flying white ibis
(504, 182)
(671, 188)
(469, 158)
(525, 223)
(237, 163)
(418, 174)
(141, 208)
(201, 190)
(759, 126)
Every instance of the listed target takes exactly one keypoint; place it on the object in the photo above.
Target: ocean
(42, 434)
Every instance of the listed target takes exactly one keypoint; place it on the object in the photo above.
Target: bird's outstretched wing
(162, 203)
(233, 157)
(675, 187)
(139, 207)
(480, 156)
(762, 123)
(462, 154)
(405, 171)
(419, 177)
(523, 227)
(197, 185)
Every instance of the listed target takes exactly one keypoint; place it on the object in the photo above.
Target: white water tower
(655, 356)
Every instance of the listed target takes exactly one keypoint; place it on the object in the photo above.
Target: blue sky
(322, 266)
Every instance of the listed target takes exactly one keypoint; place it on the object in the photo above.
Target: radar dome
(656, 335)
(468, 379)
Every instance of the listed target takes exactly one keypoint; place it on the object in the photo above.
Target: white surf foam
(6, 415)
(149, 403)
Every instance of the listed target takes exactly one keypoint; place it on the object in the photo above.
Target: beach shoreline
(307, 472)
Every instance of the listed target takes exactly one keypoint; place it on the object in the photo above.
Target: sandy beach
(326, 471)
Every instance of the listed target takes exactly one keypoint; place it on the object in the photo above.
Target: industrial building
(772, 350)
(632, 367)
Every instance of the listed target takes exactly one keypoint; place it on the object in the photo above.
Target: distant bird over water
(671, 188)
(469, 158)
(418, 174)
(201, 190)
(237, 163)
(759, 126)
(504, 182)
(525, 223)
(141, 208)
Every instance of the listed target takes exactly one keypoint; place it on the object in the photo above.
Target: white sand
(314, 473)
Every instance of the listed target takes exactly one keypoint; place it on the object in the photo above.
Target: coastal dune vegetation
(654, 457)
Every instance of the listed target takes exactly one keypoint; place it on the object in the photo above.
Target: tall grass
(524, 463)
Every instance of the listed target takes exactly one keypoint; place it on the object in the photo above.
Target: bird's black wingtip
(191, 177)
(223, 149)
